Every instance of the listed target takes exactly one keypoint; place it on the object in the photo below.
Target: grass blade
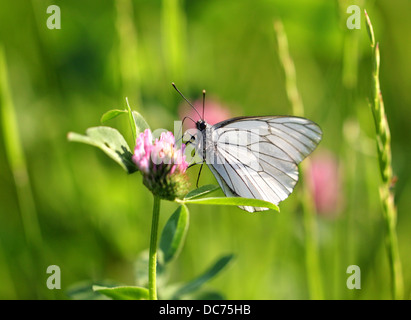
(309, 219)
(383, 139)
(16, 158)
(17, 162)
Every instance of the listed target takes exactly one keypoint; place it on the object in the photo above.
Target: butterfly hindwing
(257, 157)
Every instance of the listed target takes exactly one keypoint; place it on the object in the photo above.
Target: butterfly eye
(201, 125)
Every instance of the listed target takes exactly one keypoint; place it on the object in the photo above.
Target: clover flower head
(162, 164)
(142, 151)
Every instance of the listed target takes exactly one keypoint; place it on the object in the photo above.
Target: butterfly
(255, 157)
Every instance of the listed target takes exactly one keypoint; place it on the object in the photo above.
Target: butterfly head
(201, 125)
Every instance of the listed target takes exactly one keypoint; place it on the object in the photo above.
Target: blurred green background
(77, 209)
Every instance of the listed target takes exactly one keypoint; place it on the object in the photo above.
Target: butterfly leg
(193, 164)
(199, 173)
(191, 141)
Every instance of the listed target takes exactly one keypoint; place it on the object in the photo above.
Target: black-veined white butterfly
(255, 157)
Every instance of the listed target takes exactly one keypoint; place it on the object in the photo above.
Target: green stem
(383, 138)
(152, 262)
(312, 257)
(309, 215)
(14, 153)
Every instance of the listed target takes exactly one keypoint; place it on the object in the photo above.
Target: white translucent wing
(257, 157)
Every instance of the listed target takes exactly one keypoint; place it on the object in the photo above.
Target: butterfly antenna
(204, 92)
(185, 99)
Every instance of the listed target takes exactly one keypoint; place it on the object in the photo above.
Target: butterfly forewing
(257, 157)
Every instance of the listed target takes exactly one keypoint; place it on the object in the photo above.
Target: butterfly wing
(257, 157)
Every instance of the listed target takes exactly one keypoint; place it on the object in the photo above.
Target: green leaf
(132, 122)
(232, 201)
(174, 232)
(111, 142)
(203, 190)
(84, 290)
(123, 292)
(137, 122)
(111, 114)
(195, 284)
(141, 123)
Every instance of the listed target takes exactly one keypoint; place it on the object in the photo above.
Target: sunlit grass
(308, 207)
(383, 139)
(18, 165)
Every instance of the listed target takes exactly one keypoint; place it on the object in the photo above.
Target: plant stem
(383, 138)
(312, 257)
(152, 262)
(289, 70)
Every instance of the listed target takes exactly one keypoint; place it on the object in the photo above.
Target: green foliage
(111, 114)
(383, 139)
(137, 122)
(201, 191)
(84, 290)
(111, 142)
(171, 242)
(233, 201)
(123, 292)
(132, 121)
(140, 123)
(172, 238)
(174, 232)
